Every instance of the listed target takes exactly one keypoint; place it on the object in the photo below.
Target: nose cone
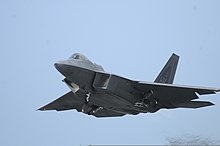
(56, 65)
(63, 66)
(59, 66)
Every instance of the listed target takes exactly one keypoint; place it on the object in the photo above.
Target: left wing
(172, 96)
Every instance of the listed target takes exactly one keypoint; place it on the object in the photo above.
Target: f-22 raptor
(101, 94)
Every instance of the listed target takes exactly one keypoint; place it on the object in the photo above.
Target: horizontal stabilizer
(194, 104)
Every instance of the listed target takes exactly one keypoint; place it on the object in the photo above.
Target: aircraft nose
(58, 66)
(61, 66)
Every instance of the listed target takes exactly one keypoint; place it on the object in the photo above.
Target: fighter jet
(101, 94)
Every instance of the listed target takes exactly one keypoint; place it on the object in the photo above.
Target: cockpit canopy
(87, 63)
(78, 56)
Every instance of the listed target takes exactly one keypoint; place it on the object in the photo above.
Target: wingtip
(42, 109)
(211, 104)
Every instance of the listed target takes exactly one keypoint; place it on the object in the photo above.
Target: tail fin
(168, 72)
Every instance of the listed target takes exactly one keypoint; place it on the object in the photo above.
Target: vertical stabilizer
(168, 72)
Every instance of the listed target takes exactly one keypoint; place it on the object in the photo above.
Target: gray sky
(130, 38)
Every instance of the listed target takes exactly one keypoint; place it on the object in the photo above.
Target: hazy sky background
(130, 38)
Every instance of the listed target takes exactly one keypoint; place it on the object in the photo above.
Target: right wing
(76, 101)
(65, 102)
